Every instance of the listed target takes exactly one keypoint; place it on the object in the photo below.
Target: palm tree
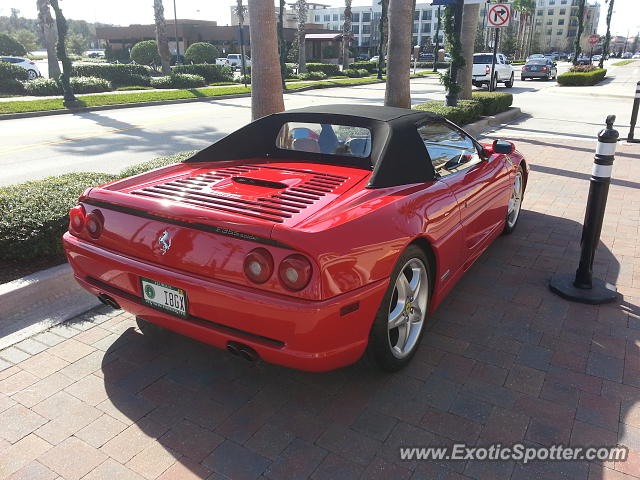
(383, 26)
(61, 50)
(161, 37)
(49, 34)
(437, 46)
(346, 34)
(266, 80)
(525, 26)
(576, 43)
(607, 37)
(301, 10)
(240, 10)
(397, 92)
(282, 44)
(470, 14)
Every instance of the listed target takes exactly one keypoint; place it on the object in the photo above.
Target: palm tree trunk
(398, 91)
(382, 26)
(607, 37)
(301, 8)
(266, 80)
(49, 33)
(61, 50)
(346, 34)
(576, 44)
(161, 37)
(470, 15)
(282, 45)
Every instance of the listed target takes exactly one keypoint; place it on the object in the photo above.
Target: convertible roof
(398, 156)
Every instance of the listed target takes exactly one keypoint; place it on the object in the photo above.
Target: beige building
(556, 25)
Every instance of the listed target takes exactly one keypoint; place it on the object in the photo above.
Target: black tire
(548, 77)
(509, 83)
(509, 228)
(31, 75)
(523, 78)
(379, 351)
(150, 329)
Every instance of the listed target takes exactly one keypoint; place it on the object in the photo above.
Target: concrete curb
(478, 127)
(13, 116)
(39, 301)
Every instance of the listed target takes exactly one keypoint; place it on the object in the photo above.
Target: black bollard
(634, 115)
(583, 287)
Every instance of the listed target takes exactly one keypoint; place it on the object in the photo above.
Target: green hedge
(210, 73)
(10, 46)
(9, 71)
(179, 80)
(430, 65)
(371, 67)
(465, 112)
(313, 76)
(356, 73)
(43, 87)
(582, 79)
(327, 68)
(117, 74)
(493, 102)
(201, 53)
(11, 86)
(34, 215)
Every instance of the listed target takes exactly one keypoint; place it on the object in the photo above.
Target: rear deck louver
(282, 204)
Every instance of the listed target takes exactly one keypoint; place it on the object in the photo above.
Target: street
(107, 141)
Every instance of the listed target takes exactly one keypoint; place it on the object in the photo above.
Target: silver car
(29, 65)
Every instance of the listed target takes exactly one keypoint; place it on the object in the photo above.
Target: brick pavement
(503, 360)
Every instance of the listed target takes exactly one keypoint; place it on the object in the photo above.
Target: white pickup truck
(235, 60)
(503, 72)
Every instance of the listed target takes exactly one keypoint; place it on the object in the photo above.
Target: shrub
(493, 102)
(35, 215)
(146, 53)
(326, 68)
(313, 76)
(583, 68)
(139, 80)
(465, 112)
(363, 72)
(211, 73)
(178, 80)
(8, 71)
(370, 67)
(244, 79)
(352, 72)
(429, 65)
(289, 69)
(11, 86)
(133, 87)
(201, 52)
(42, 87)
(90, 85)
(582, 78)
(115, 73)
(10, 46)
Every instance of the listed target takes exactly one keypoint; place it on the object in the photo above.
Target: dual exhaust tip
(236, 348)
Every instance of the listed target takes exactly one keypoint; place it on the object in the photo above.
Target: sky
(626, 17)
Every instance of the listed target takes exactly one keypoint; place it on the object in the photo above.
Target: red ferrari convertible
(306, 238)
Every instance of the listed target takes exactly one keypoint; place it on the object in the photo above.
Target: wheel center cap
(407, 307)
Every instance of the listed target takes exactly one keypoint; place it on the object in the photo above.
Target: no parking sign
(499, 15)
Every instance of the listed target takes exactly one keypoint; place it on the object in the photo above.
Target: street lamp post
(175, 26)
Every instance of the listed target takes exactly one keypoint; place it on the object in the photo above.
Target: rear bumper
(534, 74)
(301, 334)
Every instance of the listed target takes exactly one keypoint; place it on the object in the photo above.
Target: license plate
(165, 297)
(533, 69)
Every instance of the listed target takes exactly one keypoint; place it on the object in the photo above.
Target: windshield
(537, 61)
(325, 138)
(482, 58)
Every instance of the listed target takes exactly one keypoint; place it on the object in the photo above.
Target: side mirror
(503, 147)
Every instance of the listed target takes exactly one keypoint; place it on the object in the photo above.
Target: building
(289, 16)
(556, 24)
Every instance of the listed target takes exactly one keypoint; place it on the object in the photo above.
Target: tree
(61, 50)
(508, 42)
(162, 42)
(146, 53)
(266, 80)
(201, 52)
(10, 46)
(240, 11)
(76, 43)
(49, 35)
(576, 43)
(347, 35)
(398, 92)
(282, 44)
(301, 11)
(27, 38)
(436, 48)
(470, 14)
(526, 8)
(383, 26)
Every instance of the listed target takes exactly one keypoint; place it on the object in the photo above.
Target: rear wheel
(32, 74)
(509, 83)
(515, 202)
(399, 323)
(523, 78)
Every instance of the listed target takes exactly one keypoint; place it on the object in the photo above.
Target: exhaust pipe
(109, 301)
(244, 351)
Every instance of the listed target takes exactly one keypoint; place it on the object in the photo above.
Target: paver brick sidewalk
(503, 360)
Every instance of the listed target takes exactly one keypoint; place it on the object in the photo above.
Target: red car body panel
(351, 234)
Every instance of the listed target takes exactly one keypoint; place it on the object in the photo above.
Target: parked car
(534, 56)
(291, 247)
(539, 68)
(503, 71)
(426, 57)
(447, 57)
(583, 60)
(235, 60)
(29, 65)
(627, 55)
(363, 57)
(637, 55)
(596, 58)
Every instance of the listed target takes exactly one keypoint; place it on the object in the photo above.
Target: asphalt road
(110, 140)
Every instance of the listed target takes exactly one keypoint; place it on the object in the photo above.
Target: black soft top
(398, 155)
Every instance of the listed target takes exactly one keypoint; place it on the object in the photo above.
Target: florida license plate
(164, 297)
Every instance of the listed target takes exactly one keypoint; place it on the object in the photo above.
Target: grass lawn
(622, 63)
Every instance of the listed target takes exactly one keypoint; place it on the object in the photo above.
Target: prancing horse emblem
(165, 242)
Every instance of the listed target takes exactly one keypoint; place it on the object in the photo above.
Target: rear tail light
(94, 223)
(487, 69)
(76, 218)
(295, 272)
(258, 265)
(544, 68)
(524, 68)
(32, 63)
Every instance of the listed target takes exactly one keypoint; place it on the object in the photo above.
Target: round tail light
(295, 272)
(258, 265)
(94, 224)
(76, 218)
(487, 69)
